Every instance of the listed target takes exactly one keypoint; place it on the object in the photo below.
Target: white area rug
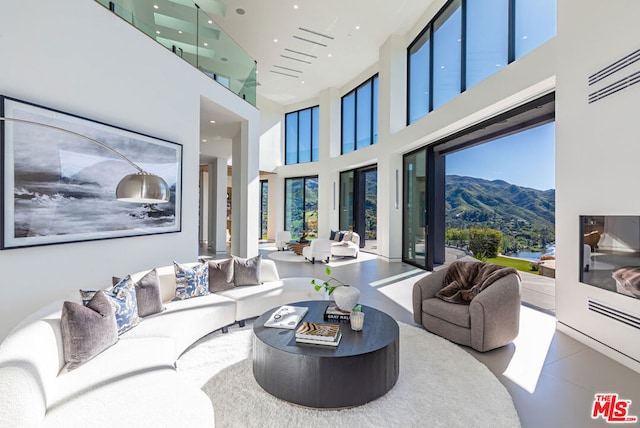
(289, 256)
(341, 261)
(440, 385)
(286, 256)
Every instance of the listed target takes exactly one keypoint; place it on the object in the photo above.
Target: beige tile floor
(551, 377)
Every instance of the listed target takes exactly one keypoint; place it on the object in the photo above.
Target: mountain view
(525, 216)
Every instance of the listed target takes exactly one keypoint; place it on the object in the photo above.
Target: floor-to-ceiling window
(360, 116)
(535, 23)
(302, 136)
(487, 47)
(301, 206)
(447, 47)
(264, 212)
(468, 41)
(419, 79)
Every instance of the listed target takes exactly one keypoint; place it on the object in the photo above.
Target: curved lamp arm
(141, 187)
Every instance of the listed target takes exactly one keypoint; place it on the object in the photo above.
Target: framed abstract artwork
(59, 180)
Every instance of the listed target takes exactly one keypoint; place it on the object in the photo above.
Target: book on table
(334, 313)
(318, 331)
(320, 342)
(286, 316)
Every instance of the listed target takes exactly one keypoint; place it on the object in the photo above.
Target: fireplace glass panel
(610, 253)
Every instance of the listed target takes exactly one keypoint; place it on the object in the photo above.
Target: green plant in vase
(327, 283)
(344, 295)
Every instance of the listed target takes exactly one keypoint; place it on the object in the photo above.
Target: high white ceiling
(351, 30)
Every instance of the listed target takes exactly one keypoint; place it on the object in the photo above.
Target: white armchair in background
(320, 249)
(348, 247)
(282, 239)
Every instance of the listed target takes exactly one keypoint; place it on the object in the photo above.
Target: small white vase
(346, 297)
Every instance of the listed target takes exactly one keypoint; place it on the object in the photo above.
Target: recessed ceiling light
(210, 22)
(240, 11)
(212, 121)
(329, 55)
(204, 141)
(295, 6)
(179, 31)
(357, 27)
(155, 6)
(275, 40)
(206, 44)
(302, 82)
(157, 31)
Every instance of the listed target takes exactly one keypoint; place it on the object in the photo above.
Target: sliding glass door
(358, 204)
(414, 223)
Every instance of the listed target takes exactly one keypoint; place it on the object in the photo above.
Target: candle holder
(357, 320)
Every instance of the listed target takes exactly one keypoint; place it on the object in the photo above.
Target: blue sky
(526, 159)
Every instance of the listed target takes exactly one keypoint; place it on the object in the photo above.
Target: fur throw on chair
(465, 280)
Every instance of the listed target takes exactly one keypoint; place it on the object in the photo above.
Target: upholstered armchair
(348, 247)
(320, 249)
(282, 239)
(489, 321)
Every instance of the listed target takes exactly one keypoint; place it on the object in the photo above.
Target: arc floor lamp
(140, 187)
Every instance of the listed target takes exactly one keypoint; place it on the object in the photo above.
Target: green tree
(485, 243)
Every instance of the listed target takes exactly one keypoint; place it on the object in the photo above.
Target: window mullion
(431, 68)
(463, 47)
(371, 112)
(512, 31)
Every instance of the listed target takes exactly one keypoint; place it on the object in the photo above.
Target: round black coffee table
(363, 367)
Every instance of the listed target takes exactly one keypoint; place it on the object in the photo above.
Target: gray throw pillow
(148, 295)
(247, 271)
(87, 330)
(221, 275)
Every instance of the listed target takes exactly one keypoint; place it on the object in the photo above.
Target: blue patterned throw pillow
(123, 300)
(191, 281)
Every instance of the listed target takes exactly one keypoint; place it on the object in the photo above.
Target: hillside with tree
(525, 216)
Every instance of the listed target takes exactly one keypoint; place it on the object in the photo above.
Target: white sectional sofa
(132, 383)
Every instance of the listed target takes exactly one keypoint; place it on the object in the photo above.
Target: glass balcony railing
(189, 32)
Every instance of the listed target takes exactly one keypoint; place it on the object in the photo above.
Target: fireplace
(610, 253)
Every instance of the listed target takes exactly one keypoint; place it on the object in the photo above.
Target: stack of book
(333, 313)
(318, 334)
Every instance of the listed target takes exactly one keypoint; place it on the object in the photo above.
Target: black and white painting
(59, 187)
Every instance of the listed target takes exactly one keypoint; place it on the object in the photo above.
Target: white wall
(75, 56)
(271, 134)
(603, 136)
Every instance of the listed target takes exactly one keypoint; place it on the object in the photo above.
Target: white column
(245, 209)
(217, 205)
(392, 108)
(329, 148)
(392, 88)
